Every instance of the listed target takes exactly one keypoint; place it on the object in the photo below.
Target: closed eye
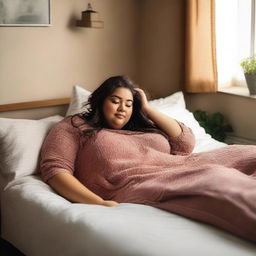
(115, 101)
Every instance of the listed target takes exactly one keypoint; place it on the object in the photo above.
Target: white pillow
(173, 105)
(174, 100)
(204, 142)
(78, 98)
(20, 144)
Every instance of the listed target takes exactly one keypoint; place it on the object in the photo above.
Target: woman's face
(117, 108)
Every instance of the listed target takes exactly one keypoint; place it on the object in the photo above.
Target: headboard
(35, 109)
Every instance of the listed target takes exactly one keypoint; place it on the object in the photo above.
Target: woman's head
(116, 104)
(117, 108)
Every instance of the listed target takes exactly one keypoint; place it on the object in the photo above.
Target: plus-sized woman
(123, 150)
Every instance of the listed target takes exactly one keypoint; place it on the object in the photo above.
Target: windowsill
(232, 139)
(236, 90)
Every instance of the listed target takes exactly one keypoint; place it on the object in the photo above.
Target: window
(235, 39)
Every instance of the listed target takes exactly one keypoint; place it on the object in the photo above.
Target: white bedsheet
(41, 223)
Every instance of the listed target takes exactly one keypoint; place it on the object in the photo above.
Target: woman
(123, 150)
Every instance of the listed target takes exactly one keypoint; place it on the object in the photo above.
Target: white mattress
(39, 222)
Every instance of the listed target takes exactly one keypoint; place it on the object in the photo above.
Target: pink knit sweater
(217, 187)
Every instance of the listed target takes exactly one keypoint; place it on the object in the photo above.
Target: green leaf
(213, 124)
(200, 115)
(217, 118)
(249, 65)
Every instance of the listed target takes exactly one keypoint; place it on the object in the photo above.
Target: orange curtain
(200, 51)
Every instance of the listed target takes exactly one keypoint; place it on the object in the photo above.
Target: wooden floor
(6, 249)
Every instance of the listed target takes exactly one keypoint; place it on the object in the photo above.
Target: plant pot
(251, 83)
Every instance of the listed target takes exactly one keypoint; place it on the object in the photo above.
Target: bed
(39, 222)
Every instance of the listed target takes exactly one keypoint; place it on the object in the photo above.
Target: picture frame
(25, 13)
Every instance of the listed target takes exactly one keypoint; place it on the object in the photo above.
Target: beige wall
(141, 38)
(45, 62)
(239, 111)
(161, 48)
(161, 66)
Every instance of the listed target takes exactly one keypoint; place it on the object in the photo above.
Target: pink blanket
(216, 187)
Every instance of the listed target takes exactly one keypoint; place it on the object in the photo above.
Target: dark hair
(94, 116)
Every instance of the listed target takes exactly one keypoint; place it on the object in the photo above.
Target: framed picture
(25, 13)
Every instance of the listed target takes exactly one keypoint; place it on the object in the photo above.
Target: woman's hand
(144, 100)
(164, 122)
(110, 203)
(72, 189)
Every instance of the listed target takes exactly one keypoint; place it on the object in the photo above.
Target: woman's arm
(167, 124)
(72, 189)
(57, 164)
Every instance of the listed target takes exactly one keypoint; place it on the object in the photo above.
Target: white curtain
(233, 40)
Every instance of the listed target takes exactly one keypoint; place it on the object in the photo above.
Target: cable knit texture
(217, 187)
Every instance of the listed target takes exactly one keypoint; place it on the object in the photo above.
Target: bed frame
(176, 232)
(34, 104)
(35, 109)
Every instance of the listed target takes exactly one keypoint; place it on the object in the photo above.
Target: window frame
(253, 28)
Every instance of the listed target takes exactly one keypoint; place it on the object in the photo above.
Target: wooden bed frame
(34, 104)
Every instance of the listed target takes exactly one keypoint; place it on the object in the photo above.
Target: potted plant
(249, 68)
(214, 124)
